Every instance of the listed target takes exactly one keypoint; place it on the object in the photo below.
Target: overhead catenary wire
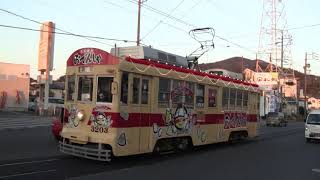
(90, 38)
(150, 8)
(163, 22)
(67, 34)
(157, 25)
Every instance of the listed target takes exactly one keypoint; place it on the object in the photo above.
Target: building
(56, 90)
(14, 86)
(272, 86)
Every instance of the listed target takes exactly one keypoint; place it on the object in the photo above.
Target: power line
(306, 26)
(189, 10)
(162, 20)
(163, 13)
(186, 23)
(239, 46)
(38, 22)
(67, 34)
(170, 25)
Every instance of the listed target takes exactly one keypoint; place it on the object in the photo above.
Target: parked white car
(312, 125)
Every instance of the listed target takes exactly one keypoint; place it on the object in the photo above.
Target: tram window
(144, 91)
(245, 99)
(71, 87)
(200, 95)
(189, 93)
(232, 100)
(85, 88)
(124, 88)
(164, 92)
(239, 98)
(104, 89)
(212, 94)
(177, 92)
(135, 91)
(225, 98)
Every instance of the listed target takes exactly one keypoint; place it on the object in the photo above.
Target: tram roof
(157, 64)
(94, 56)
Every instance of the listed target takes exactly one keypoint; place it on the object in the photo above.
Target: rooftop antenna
(205, 37)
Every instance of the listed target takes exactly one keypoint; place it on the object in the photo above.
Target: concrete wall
(15, 79)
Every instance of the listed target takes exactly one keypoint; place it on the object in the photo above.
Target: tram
(121, 104)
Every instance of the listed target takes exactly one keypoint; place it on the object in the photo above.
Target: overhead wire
(150, 8)
(90, 38)
(158, 24)
(67, 34)
(306, 26)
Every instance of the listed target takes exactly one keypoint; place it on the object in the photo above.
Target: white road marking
(316, 170)
(28, 162)
(20, 123)
(29, 173)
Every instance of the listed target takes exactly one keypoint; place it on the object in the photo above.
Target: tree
(61, 78)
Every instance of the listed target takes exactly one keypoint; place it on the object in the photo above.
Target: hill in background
(238, 64)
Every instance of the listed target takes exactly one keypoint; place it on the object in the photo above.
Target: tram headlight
(80, 115)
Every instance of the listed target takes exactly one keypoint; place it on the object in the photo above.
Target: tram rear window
(85, 88)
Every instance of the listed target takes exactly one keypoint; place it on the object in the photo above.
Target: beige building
(14, 86)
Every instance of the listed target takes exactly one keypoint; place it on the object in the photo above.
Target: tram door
(141, 105)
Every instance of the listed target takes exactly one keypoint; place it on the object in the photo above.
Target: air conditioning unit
(143, 52)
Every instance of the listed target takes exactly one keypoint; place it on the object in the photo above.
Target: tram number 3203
(99, 129)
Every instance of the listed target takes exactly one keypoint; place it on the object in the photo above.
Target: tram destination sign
(91, 56)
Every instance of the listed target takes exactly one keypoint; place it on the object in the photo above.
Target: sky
(237, 22)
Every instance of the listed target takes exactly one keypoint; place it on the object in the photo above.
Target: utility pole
(138, 31)
(281, 72)
(282, 50)
(305, 83)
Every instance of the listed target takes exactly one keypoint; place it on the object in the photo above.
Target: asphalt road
(279, 153)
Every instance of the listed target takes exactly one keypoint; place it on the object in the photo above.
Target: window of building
(225, 97)
(199, 96)
(104, 89)
(145, 91)
(85, 85)
(71, 87)
(12, 77)
(212, 97)
(124, 88)
(164, 92)
(135, 91)
(3, 77)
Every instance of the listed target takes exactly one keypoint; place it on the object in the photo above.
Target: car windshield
(313, 119)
